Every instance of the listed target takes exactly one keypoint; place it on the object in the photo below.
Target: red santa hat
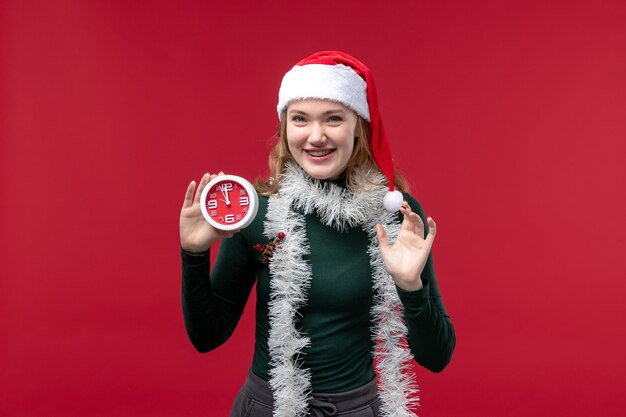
(336, 76)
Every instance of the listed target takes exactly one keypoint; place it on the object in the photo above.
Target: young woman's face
(320, 136)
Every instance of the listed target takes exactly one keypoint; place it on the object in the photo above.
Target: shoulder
(262, 212)
(254, 231)
(263, 200)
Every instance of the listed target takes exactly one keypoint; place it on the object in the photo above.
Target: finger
(432, 230)
(189, 194)
(382, 236)
(203, 182)
(407, 223)
(419, 225)
(412, 222)
(215, 175)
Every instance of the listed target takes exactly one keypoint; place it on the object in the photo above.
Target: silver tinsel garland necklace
(290, 274)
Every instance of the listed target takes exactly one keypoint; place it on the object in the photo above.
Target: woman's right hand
(196, 234)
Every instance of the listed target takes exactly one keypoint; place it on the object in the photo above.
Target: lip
(330, 153)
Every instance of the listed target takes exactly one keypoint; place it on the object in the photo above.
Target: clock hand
(225, 194)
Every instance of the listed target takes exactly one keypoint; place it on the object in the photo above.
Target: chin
(322, 175)
(318, 176)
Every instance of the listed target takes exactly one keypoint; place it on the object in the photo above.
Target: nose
(317, 136)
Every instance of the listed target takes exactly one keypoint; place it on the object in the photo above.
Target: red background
(507, 117)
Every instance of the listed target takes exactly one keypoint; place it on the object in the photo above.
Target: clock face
(229, 202)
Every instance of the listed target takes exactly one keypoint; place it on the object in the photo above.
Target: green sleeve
(431, 334)
(213, 301)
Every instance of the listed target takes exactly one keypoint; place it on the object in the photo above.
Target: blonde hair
(360, 161)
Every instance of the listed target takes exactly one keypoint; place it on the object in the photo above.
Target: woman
(350, 277)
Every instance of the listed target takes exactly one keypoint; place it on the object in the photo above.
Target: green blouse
(337, 315)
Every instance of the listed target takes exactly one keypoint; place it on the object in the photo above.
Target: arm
(431, 335)
(212, 306)
(213, 303)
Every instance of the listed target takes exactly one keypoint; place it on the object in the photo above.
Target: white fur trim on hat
(328, 82)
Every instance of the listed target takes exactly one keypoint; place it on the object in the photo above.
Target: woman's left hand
(406, 258)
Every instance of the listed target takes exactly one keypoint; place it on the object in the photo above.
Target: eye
(335, 119)
(297, 118)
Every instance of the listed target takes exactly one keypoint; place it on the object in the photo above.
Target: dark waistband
(362, 396)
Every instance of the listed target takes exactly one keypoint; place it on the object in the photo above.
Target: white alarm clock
(229, 202)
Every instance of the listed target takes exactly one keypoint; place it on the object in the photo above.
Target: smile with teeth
(319, 153)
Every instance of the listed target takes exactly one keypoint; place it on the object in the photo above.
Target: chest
(341, 274)
(341, 280)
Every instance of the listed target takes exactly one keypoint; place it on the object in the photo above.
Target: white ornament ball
(393, 200)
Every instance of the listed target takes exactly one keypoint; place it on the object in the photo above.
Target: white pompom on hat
(337, 76)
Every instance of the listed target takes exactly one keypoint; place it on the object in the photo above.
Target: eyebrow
(334, 111)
